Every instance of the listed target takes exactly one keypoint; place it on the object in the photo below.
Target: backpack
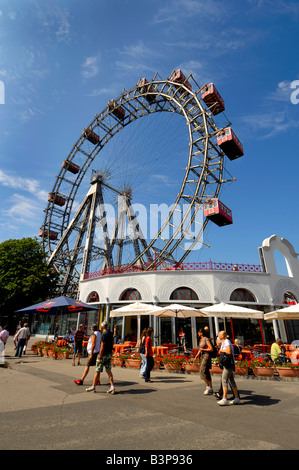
(213, 353)
(142, 347)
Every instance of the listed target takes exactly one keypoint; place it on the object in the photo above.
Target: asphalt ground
(42, 409)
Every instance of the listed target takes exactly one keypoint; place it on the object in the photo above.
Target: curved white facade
(268, 288)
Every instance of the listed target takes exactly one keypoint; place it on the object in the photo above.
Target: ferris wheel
(156, 145)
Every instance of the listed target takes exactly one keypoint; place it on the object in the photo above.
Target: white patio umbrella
(137, 308)
(287, 313)
(177, 311)
(223, 310)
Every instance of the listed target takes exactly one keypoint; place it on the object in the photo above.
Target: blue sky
(60, 62)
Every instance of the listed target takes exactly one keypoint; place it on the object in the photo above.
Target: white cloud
(283, 92)
(270, 123)
(29, 185)
(90, 67)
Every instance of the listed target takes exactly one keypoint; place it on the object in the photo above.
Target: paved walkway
(42, 408)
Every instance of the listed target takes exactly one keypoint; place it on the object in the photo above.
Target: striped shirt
(78, 336)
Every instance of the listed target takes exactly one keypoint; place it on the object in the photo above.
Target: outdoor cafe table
(119, 348)
(161, 350)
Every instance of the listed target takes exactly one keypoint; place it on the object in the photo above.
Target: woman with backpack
(205, 351)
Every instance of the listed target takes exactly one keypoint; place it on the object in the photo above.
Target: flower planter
(172, 367)
(263, 371)
(241, 370)
(44, 352)
(52, 354)
(191, 367)
(117, 362)
(157, 365)
(134, 363)
(287, 372)
(215, 369)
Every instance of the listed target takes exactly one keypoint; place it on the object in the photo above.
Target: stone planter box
(172, 367)
(133, 363)
(215, 369)
(263, 371)
(287, 372)
(117, 362)
(241, 370)
(191, 367)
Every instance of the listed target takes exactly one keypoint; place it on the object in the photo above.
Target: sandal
(216, 394)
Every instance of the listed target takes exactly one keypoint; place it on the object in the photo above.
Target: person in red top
(148, 355)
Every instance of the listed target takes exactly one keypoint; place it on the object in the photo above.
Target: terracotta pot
(263, 371)
(65, 355)
(45, 352)
(135, 363)
(117, 362)
(174, 367)
(215, 369)
(287, 372)
(241, 370)
(157, 365)
(191, 367)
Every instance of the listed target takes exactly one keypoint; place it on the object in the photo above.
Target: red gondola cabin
(177, 76)
(116, 109)
(91, 136)
(146, 89)
(44, 233)
(230, 144)
(70, 166)
(217, 212)
(212, 98)
(57, 199)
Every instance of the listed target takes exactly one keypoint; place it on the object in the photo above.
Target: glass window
(242, 295)
(93, 297)
(130, 294)
(184, 293)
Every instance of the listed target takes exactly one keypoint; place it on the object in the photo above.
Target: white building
(203, 284)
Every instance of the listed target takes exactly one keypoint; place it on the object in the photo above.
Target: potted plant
(64, 353)
(117, 360)
(288, 370)
(241, 367)
(262, 367)
(133, 360)
(157, 361)
(191, 365)
(173, 362)
(215, 369)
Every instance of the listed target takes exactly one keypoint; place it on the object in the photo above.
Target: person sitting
(237, 348)
(276, 350)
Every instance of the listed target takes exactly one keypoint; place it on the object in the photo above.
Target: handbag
(226, 361)
(142, 347)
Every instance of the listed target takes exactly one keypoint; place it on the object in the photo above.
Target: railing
(207, 266)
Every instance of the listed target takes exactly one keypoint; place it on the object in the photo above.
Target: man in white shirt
(23, 335)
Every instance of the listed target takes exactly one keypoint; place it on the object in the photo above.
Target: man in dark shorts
(93, 348)
(78, 344)
(104, 359)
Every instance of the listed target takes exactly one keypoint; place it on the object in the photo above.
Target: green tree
(25, 278)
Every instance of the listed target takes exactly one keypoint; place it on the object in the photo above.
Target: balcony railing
(206, 266)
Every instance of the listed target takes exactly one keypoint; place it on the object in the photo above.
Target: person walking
(19, 326)
(148, 355)
(78, 344)
(205, 350)
(23, 336)
(141, 351)
(104, 359)
(93, 348)
(4, 335)
(228, 370)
